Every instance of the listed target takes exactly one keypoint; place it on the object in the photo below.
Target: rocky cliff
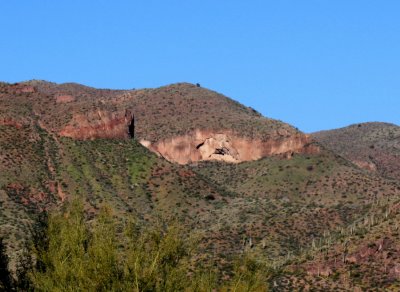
(181, 122)
(197, 145)
(226, 146)
(100, 124)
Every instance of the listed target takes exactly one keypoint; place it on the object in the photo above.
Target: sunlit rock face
(100, 124)
(226, 146)
(196, 145)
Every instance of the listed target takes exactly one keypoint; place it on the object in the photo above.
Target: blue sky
(312, 63)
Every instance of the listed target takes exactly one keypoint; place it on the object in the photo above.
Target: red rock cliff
(100, 124)
(198, 145)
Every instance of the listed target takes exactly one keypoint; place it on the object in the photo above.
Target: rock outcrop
(198, 145)
(365, 165)
(210, 126)
(100, 124)
(64, 98)
(10, 122)
(227, 146)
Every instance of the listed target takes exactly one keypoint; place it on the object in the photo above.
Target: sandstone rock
(197, 145)
(100, 124)
(226, 146)
(365, 165)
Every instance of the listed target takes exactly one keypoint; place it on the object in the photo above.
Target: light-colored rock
(64, 98)
(226, 146)
(365, 165)
(197, 145)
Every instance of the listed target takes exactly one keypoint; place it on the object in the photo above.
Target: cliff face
(181, 122)
(197, 145)
(226, 146)
(100, 124)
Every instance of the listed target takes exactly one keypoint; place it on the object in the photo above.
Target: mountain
(372, 146)
(186, 153)
(181, 122)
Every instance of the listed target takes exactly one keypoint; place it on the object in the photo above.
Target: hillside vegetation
(296, 214)
(373, 146)
(70, 253)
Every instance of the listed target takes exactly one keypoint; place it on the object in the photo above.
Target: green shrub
(6, 280)
(75, 255)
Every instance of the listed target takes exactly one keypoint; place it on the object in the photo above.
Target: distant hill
(373, 146)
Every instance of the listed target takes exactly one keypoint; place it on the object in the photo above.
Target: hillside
(363, 256)
(373, 146)
(285, 204)
(181, 122)
(185, 153)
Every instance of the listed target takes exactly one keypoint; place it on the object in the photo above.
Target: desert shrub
(158, 259)
(62, 258)
(73, 254)
(6, 280)
(249, 275)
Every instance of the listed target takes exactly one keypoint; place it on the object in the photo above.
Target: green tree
(61, 259)
(6, 280)
(76, 255)
(159, 259)
(249, 274)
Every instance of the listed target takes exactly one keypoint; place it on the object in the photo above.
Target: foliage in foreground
(6, 281)
(75, 255)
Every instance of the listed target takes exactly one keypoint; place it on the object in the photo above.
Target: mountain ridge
(374, 146)
(228, 127)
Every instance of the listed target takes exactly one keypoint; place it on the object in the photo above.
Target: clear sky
(317, 64)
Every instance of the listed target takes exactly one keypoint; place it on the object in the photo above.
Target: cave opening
(198, 146)
(222, 151)
(131, 129)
